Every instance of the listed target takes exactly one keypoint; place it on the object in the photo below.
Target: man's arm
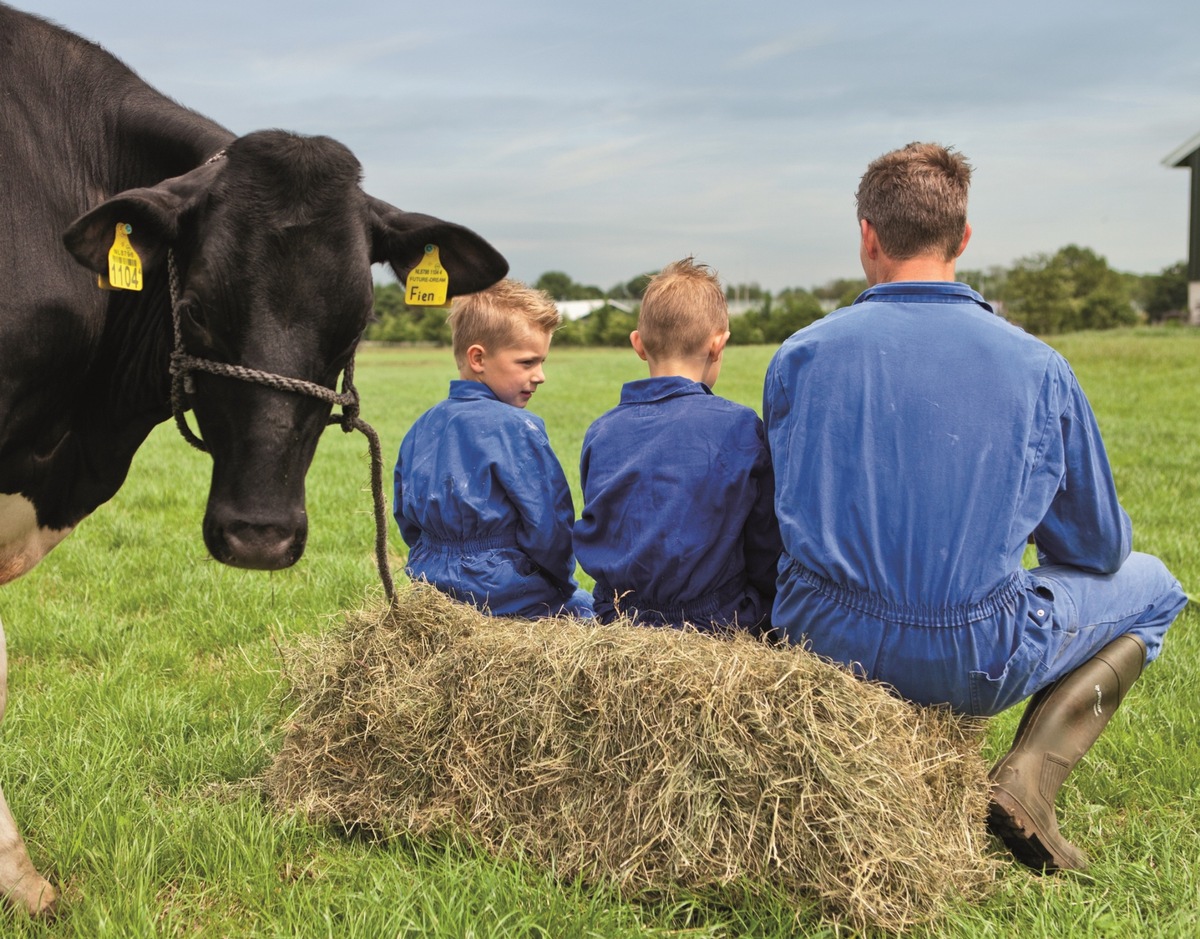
(1085, 527)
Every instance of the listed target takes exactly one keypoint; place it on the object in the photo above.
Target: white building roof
(578, 309)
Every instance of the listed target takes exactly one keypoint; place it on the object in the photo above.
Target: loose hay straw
(656, 759)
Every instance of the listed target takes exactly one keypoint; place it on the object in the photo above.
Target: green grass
(145, 698)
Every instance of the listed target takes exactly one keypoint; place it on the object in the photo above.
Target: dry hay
(656, 759)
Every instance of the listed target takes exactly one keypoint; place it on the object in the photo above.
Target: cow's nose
(261, 547)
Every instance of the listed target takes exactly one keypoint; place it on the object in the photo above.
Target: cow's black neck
(121, 398)
(96, 130)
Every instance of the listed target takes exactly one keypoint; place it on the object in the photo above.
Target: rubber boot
(1060, 724)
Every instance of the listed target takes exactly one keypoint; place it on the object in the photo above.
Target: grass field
(145, 698)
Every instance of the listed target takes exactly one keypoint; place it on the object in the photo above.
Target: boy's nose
(538, 377)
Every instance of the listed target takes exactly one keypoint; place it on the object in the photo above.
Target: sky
(607, 139)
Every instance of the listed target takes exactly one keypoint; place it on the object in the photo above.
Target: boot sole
(1009, 821)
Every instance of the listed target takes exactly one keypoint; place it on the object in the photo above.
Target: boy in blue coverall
(480, 497)
(678, 524)
(919, 442)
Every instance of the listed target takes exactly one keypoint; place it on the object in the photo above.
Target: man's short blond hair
(682, 308)
(498, 318)
(916, 198)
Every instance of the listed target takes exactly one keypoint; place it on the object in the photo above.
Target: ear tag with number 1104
(124, 265)
(428, 282)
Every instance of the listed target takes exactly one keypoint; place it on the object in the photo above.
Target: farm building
(578, 309)
(1189, 156)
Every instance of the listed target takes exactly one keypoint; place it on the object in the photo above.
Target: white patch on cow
(22, 542)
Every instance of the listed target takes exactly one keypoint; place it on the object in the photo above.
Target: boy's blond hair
(682, 308)
(497, 317)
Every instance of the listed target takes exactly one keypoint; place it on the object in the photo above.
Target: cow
(271, 240)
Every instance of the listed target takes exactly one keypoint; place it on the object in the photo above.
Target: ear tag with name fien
(124, 265)
(428, 282)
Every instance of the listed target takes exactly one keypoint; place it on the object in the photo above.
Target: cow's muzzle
(260, 546)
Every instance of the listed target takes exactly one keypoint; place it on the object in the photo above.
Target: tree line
(1070, 290)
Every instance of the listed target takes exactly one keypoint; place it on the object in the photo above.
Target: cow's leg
(21, 886)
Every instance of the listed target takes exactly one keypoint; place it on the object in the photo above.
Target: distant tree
(632, 289)
(746, 329)
(1164, 293)
(749, 292)
(556, 283)
(395, 321)
(989, 283)
(616, 329)
(572, 333)
(560, 286)
(607, 326)
(1037, 297)
(841, 292)
(1103, 294)
(792, 309)
(1069, 290)
(775, 318)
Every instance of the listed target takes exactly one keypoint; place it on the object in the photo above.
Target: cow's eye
(342, 358)
(191, 316)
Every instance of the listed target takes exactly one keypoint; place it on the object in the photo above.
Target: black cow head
(274, 243)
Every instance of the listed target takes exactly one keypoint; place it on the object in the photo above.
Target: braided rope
(181, 368)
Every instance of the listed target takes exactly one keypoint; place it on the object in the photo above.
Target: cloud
(781, 48)
(316, 63)
(604, 140)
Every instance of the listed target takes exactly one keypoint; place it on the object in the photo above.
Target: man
(919, 442)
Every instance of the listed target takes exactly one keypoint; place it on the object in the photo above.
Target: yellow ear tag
(428, 282)
(124, 265)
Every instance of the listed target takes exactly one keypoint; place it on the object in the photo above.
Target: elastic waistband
(1002, 599)
(469, 545)
(699, 610)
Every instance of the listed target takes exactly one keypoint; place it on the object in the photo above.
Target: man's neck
(882, 269)
(889, 271)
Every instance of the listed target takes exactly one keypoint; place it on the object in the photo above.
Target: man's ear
(870, 239)
(635, 340)
(966, 237)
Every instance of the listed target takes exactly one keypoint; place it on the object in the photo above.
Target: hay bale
(653, 758)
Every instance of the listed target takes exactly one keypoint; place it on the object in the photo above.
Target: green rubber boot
(1060, 724)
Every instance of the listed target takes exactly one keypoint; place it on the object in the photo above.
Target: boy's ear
(635, 340)
(475, 356)
(717, 345)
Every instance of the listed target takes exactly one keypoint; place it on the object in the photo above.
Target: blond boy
(480, 497)
(678, 524)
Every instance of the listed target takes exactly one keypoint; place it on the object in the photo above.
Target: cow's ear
(399, 238)
(154, 215)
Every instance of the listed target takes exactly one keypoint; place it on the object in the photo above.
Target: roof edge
(1180, 156)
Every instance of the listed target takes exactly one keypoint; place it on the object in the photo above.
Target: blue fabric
(484, 507)
(918, 441)
(677, 522)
